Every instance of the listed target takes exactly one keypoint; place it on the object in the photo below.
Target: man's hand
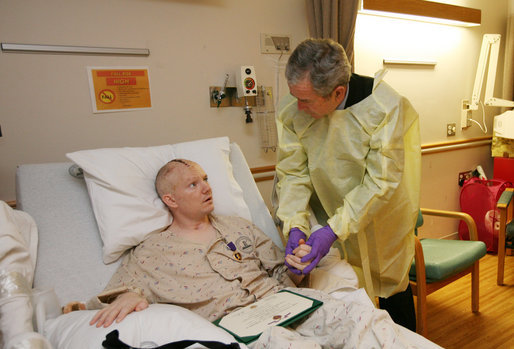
(123, 305)
(295, 235)
(321, 241)
(295, 259)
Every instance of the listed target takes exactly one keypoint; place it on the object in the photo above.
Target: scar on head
(181, 161)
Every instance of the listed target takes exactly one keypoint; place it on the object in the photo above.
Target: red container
(504, 169)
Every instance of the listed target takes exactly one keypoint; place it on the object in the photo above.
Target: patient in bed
(213, 265)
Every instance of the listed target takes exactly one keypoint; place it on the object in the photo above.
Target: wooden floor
(451, 324)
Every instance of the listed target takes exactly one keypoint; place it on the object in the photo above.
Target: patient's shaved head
(168, 175)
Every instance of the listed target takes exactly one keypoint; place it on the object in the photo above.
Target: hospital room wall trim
(266, 173)
(455, 145)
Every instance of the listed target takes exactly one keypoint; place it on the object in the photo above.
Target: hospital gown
(207, 279)
(211, 281)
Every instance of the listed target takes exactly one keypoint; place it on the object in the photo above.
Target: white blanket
(347, 319)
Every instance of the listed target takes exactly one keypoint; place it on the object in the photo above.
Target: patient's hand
(295, 259)
(123, 305)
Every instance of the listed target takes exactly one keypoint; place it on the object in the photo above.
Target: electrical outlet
(450, 129)
(275, 43)
(464, 176)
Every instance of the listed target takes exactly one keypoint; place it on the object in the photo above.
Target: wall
(44, 98)
(440, 190)
(46, 109)
(436, 93)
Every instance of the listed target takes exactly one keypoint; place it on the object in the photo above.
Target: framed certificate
(280, 309)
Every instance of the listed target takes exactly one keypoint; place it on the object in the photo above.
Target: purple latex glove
(320, 241)
(295, 235)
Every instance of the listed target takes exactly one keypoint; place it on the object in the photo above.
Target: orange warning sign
(119, 89)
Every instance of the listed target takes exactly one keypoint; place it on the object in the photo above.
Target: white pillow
(120, 182)
(159, 323)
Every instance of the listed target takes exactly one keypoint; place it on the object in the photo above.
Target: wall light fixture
(423, 10)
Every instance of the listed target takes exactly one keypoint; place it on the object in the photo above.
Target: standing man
(349, 150)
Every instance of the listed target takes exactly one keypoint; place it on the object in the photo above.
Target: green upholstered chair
(505, 208)
(438, 262)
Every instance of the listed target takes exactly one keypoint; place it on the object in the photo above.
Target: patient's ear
(169, 200)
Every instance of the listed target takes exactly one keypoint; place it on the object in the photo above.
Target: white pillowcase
(159, 323)
(120, 182)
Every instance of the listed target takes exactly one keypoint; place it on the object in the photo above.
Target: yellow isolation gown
(359, 170)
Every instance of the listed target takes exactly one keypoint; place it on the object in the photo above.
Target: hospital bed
(90, 210)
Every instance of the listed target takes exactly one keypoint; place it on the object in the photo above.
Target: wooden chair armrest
(506, 198)
(504, 206)
(419, 260)
(470, 222)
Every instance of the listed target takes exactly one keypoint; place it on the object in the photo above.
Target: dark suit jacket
(360, 87)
